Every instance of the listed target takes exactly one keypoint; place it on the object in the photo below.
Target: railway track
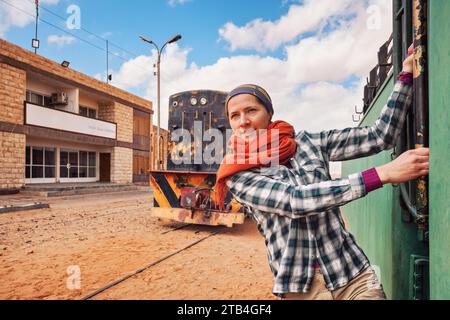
(151, 264)
(90, 215)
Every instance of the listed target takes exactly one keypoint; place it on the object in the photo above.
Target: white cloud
(18, 13)
(263, 35)
(320, 106)
(350, 49)
(106, 34)
(173, 3)
(138, 72)
(305, 85)
(332, 101)
(60, 41)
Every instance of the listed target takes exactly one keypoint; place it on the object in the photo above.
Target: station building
(58, 125)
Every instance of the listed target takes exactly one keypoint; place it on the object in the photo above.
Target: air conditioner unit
(59, 98)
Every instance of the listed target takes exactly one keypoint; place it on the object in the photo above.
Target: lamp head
(146, 39)
(174, 39)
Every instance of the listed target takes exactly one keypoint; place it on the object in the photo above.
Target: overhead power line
(133, 64)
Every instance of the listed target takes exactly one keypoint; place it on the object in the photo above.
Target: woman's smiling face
(246, 113)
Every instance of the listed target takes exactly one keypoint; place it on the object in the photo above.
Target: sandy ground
(103, 238)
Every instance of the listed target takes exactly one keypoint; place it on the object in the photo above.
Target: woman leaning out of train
(296, 204)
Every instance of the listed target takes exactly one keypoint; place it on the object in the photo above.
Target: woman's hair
(254, 90)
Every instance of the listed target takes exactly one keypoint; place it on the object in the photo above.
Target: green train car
(405, 229)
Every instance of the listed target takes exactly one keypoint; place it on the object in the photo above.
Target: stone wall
(122, 116)
(12, 94)
(12, 160)
(164, 135)
(122, 165)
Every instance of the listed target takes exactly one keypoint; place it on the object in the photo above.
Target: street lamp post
(172, 40)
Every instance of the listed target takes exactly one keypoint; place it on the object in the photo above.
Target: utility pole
(158, 66)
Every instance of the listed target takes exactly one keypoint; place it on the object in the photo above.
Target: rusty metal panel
(168, 187)
(175, 197)
(420, 104)
(207, 108)
(197, 217)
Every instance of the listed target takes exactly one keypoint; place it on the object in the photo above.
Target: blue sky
(312, 56)
(121, 22)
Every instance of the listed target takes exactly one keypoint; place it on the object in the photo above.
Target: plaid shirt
(297, 207)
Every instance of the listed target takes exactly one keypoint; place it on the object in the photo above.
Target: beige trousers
(364, 286)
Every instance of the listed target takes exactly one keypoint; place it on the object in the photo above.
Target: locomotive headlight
(194, 101)
(203, 101)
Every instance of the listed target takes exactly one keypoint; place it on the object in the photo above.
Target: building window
(38, 99)
(87, 164)
(28, 162)
(78, 164)
(68, 164)
(92, 164)
(83, 164)
(39, 162)
(88, 112)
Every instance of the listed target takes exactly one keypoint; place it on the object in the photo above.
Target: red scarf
(246, 155)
